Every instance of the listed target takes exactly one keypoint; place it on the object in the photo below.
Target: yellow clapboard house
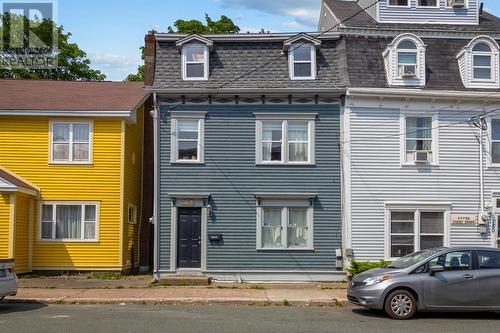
(71, 157)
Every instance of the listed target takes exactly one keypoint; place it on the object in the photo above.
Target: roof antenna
(481, 6)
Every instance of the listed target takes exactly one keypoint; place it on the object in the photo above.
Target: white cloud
(304, 12)
(113, 60)
(293, 25)
(116, 67)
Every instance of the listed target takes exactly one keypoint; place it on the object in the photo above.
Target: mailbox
(215, 237)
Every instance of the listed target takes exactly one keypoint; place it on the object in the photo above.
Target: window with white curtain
(495, 141)
(415, 230)
(285, 227)
(418, 133)
(285, 142)
(187, 137)
(68, 221)
(71, 142)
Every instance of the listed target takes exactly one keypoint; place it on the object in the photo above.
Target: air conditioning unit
(421, 157)
(408, 71)
(457, 3)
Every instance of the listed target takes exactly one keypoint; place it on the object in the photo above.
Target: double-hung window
(419, 140)
(302, 59)
(407, 59)
(188, 137)
(195, 62)
(428, 3)
(495, 141)
(398, 3)
(415, 230)
(71, 142)
(285, 141)
(482, 62)
(285, 227)
(69, 221)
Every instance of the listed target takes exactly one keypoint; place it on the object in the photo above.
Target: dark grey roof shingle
(345, 9)
(366, 62)
(232, 59)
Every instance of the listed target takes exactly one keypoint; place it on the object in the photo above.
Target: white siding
(415, 14)
(377, 176)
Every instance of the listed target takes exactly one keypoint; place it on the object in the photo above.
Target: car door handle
(469, 276)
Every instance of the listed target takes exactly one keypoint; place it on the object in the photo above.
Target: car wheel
(400, 304)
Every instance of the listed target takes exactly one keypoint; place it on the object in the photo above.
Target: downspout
(481, 165)
(156, 187)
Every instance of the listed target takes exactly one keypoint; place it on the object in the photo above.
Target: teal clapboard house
(248, 171)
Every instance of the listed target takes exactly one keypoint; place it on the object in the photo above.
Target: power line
(217, 91)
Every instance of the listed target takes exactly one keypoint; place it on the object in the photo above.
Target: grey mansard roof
(236, 55)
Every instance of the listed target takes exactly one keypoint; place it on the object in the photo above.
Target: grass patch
(227, 287)
(119, 287)
(327, 288)
(257, 287)
(337, 302)
(286, 303)
(31, 276)
(109, 276)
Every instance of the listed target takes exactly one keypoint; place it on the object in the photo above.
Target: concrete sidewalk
(182, 295)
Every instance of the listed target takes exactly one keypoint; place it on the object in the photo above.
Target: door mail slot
(215, 237)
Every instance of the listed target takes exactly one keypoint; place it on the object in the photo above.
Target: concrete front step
(184, 280)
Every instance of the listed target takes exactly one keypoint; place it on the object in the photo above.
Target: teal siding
(231, 176)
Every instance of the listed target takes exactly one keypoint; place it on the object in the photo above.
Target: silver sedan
(8, 284)
(445, 279)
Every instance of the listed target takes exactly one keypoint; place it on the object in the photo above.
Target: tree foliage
(139, 76)
(222, 26)
(73, 63)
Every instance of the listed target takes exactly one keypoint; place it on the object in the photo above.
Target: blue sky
(111, 31)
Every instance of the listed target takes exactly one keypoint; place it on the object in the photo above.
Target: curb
(180, 301)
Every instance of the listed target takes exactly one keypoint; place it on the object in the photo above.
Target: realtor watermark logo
(28, 35)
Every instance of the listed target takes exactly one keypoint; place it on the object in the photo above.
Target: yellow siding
(24, 149)
(21, 242)
(4, 225)
(132, 187)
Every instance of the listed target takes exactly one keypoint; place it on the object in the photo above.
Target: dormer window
(405, 61)
(402, 3)
(302, 61)
(479, 63)
(195, 62)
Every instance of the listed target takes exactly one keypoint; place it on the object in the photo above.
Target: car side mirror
(435, 269)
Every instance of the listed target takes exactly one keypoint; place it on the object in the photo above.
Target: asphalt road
(220, 319)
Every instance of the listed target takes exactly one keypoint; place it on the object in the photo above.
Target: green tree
(222, 26)
(73, 63)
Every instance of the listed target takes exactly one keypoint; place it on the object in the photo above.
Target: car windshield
(412, 259)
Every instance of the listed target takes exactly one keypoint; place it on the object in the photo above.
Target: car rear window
(489, 259)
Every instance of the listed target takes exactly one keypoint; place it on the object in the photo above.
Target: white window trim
(311, 120)
(399, 6)
(435, 138)
(70, 161)
(291, 62)
(174, 151)
(466, 64)
(205, 63)
(491, 67)
(489, 144)
(68, 203)
(391, 62)
(438, 5)
(134, 217)
(415, 51)
(417, 208)
(284, 229)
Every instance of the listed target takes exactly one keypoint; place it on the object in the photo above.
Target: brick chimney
(149, 58)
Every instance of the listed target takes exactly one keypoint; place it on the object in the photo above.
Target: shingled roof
(70, 95)
(346, 9)
(233, 58)
(366, 63)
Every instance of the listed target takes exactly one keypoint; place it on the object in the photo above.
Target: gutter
(67, 113)
(252, 37)
(249, 91)
(156, 187)
(422, 93)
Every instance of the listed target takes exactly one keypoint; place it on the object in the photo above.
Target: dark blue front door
(189, 238)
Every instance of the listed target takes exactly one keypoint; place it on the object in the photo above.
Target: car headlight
(376, 279)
